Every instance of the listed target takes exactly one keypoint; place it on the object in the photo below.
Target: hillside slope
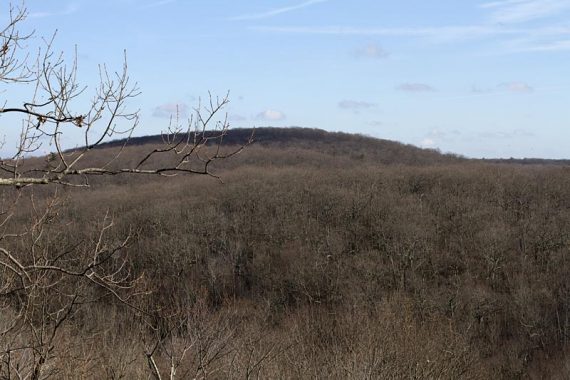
(340, 144)
(320, 255)
(343, 145)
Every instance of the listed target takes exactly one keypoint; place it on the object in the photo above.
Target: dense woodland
(317, 255)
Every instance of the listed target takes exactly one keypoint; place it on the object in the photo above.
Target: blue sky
(482, 78)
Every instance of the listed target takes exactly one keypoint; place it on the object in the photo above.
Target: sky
(480, 78)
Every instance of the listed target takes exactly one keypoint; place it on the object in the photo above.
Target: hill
(321, 255)
(352, 146)
(342, 145)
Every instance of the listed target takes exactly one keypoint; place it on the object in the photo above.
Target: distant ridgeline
(355, 146)
(527, 161)
(270, 136)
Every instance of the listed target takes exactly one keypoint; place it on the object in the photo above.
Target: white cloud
(68, 10)
(507, 23)
(278, 11)
(543, 38)
(507, 135)
(168, 110)
(415, 87)
(435, 137)
(480, 90)
(427, 143)
(519, 87)
(496, 4)
(436, 34)
(157, 4)
(540, 39)
(504, 23)
(437, 133)
(373, 51)
(355, 105)
(543, 46)
(271, 115)
(519, 11)
(236, 117)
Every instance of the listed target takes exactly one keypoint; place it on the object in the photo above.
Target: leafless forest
(314, 260)
(213, 253)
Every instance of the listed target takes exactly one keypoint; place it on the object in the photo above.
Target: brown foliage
(299, 267)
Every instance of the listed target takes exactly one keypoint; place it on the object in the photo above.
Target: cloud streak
(532, 45)
(514, 87)
(436, 136)
(171, 110)
(236, 117)
(518, 87)
(435, 33)
(278, 11)
(271, 115)
(519, 11)
(543, 37)
(157, 4)
(355, 105)
(427, 143)
(496, 135)
(415, 87)
(505, 23)
(70, 9)
(372, 51)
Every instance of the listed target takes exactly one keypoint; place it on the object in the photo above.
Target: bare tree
(44, 279)
(49, 116)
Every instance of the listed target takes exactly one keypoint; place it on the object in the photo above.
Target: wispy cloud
(271, 115)
(278, 11)
(481, 90)
(561, 45)
(529, 45)
(427, 143)
(68, 10)
(515, 87)
(171, 110)
(436, 34)
(236, 117)
(518, 87)
(518, 11)
(157, 4)
(415, 87)
(515, 133)
(355, 105)
(436, 136)
(504, 24)
(373, 51)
